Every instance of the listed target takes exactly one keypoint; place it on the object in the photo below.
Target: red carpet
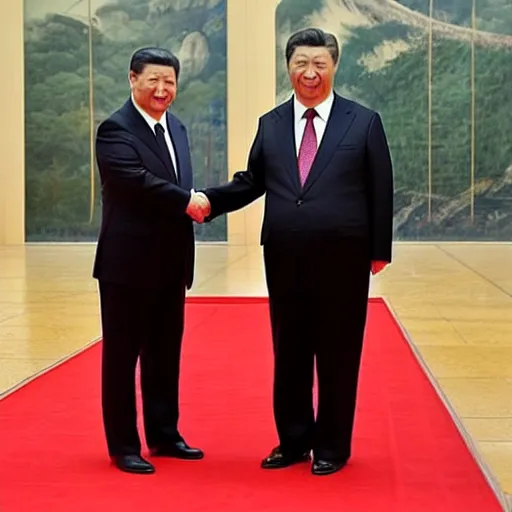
(408, 456)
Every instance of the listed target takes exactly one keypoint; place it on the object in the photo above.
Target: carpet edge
(226, 299)
(194, 299)
(503, 499)
(48, 369)
(255, 299)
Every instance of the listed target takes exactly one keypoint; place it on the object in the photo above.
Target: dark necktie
(164, 149)
(308, 146)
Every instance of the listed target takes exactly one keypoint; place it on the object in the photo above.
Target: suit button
(299, 202)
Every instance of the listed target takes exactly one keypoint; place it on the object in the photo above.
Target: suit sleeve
(380, 191)
(245, 187)
(121, 168)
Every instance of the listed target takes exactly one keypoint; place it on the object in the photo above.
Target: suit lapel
(141, 129)
(286, 141)
(180, 148)
(338, 124)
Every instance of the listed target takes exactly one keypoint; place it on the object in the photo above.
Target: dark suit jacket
(349, 191)
(146, 238)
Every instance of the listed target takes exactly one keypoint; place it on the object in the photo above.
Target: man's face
(154, 89)
(311, 70)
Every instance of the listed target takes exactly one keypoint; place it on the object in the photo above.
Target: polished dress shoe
(278, 460)
(326, 467)
(133, 464)
(178, 450)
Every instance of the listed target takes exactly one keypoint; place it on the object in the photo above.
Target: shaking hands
(198, 207)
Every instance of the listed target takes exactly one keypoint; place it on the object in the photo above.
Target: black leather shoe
(178, 450)
(325, 467)
(133, 464)
(278, 460)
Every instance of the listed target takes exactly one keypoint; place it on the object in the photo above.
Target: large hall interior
(438, 74)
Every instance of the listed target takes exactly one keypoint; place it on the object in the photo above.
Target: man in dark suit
(324, 164)
(144, 261)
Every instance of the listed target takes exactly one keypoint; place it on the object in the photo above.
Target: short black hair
(312, 37)
(153, 55)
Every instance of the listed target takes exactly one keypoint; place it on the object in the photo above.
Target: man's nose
(310, 72)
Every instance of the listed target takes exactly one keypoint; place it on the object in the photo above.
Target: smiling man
(144, 261)
(324, 164)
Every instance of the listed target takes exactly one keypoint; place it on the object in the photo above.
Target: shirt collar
(323, 109)
(151, 122)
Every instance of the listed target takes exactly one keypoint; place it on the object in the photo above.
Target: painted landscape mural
(440, 74)
(76, 66)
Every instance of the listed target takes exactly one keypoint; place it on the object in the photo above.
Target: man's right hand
(198, 207)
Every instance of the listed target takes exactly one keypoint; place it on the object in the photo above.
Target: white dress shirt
(152, 123)
(323, 111)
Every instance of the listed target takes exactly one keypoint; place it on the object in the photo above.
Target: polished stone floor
(453, 300)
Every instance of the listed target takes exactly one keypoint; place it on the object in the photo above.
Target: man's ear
(132, 76)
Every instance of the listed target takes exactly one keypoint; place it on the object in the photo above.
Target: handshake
(198, 207)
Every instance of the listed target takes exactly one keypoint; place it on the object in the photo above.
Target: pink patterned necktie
(308, 146)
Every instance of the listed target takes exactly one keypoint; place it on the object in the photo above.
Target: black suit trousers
(318, 293)
(143, 325)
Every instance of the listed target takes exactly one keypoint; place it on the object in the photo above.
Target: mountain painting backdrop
(440, 74)
(73, 81)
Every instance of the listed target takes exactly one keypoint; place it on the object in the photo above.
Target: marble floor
(453, 300)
